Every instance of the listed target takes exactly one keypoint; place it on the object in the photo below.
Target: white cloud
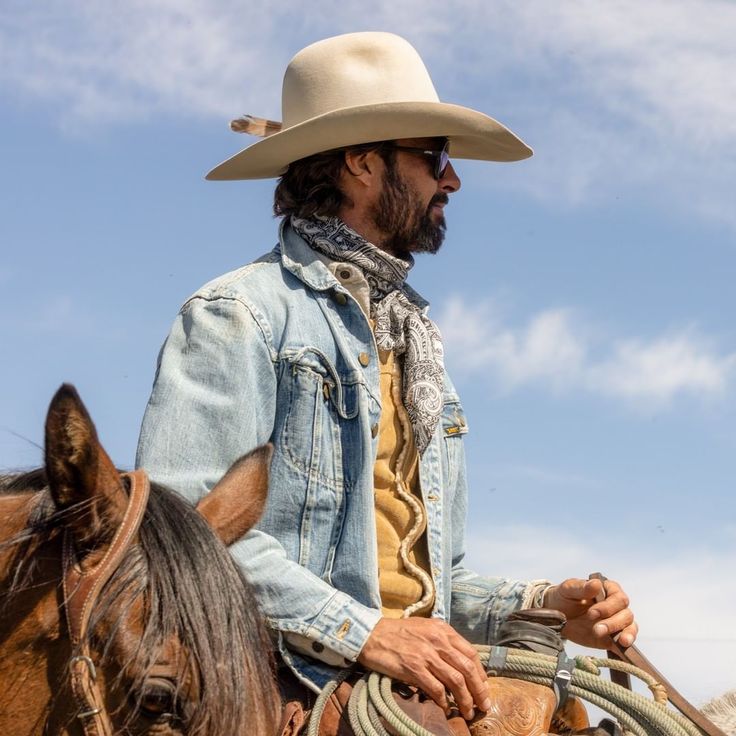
(106, 65)
(547, 349)
(618, 98)
(662, 368)
(664, 63)
(555, 351)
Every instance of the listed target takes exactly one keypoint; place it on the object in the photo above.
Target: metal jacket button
(317, 647)
(341, 298)
(364, 359)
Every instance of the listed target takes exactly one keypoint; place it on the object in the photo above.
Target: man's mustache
(439, 198)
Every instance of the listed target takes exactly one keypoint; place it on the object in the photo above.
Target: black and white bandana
(400, 324)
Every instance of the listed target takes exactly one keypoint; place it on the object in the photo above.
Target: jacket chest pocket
(313, 403)
(454, 426)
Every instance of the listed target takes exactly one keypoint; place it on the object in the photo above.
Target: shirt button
(374, 430)
(317, 647)
(345, 274)
(341, 298)
(364, 359)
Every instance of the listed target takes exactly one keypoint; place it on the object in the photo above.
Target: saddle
(519, 708)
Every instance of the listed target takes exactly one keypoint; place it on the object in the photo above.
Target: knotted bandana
(400, 323)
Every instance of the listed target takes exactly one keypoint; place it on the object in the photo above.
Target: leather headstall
(81, 590)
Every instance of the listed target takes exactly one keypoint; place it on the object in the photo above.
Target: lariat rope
(372, 698)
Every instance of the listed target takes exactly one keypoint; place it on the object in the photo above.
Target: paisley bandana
(400, 324)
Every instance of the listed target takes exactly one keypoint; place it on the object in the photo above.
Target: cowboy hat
(359, 88)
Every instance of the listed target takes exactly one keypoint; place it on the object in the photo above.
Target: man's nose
(450, 181)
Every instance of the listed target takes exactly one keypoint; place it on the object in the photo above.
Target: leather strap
(633, 655)
(617, 677)
(81, 590)
(533, 629)
(563, 678)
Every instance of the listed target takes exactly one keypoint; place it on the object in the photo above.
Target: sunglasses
(441, 158)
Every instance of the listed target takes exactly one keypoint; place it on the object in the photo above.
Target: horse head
(122, 611)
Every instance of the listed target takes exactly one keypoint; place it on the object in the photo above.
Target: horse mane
(722, 711)
(193, 590)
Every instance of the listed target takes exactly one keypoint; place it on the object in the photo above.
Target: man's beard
(407, 223)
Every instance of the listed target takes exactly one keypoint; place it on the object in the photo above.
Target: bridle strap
(81, 590)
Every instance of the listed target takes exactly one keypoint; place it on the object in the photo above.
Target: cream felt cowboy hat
(360, 88)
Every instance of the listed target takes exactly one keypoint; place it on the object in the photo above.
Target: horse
(722, 711)
(121, 614)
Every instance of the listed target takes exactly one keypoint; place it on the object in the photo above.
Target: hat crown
(352, 70)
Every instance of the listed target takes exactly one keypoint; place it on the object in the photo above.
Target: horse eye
(158, 699)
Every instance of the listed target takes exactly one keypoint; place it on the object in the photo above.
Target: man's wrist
(537, 594)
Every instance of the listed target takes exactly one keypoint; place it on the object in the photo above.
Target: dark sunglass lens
(441, 163)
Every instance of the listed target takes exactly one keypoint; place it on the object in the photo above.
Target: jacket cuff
(341, 627)
(533, 595)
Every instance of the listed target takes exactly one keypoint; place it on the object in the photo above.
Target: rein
(81, 591)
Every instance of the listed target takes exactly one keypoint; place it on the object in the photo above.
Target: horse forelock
(196, 595)
(192, 592)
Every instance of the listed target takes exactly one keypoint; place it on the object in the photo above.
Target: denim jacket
(279, 351)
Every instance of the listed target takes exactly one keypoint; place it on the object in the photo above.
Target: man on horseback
(359, 555)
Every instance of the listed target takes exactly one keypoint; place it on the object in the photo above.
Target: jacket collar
(299, 259)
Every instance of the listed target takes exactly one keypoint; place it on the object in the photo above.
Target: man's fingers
(614, 603)
(619, 622)
(578, 589)
(471, 653)
(454, 680)
(574, 592)
(474, 680)
(428, 683)
(431, 655)
(628, 636)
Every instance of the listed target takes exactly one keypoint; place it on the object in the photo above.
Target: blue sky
(585, 295)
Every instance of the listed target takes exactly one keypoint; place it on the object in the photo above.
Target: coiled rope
(372, 698)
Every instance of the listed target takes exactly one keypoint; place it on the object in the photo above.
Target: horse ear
(236, 503)
(80, 474)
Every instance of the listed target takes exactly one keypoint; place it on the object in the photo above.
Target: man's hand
(431, 655)
(591, 623)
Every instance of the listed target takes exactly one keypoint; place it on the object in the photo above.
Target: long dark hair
(311, 186)
(192, 589)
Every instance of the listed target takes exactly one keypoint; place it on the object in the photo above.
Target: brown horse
(109, 625)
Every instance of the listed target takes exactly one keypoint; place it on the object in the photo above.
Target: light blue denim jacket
(279, 351)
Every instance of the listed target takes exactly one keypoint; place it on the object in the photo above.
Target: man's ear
(236, 503)
(363, 165)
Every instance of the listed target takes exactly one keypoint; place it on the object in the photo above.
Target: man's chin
(431, 237)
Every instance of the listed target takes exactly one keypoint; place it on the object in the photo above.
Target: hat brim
(472, 135)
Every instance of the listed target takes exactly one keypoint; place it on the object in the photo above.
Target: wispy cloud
(104, 64)
(555, 350)
(617, 96)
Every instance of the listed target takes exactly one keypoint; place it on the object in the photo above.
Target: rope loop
(371, 705)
